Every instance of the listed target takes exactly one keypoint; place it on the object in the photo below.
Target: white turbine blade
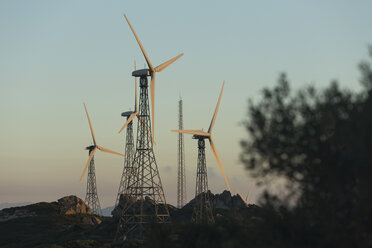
(148, 132)
(249, 191)
(139, 43)
(152, 88)
(131, 117)
(216, 111)
(90, 125)
(219, 162)
(87, 165)
(194, 132)
(109, 151)
(161, 67)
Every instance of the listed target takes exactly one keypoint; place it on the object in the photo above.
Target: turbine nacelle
(127, 113)
(142, 73)
(90, 148)
(195, 136)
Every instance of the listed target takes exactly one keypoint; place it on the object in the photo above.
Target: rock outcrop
(226, 201)
(221, 201)
(148, 206)
(73, 205)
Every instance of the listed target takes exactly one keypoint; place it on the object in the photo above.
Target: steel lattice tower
(145, 186)
(202, 210)
(181, 179)
(128, 158)
(91, 197)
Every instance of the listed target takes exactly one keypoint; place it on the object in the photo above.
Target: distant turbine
(128, 170)
(203, 210)
(208, 135)
(91, 197)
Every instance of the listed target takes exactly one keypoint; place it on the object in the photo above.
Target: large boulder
(73, 205)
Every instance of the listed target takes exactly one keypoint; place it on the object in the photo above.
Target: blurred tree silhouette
(321, 142)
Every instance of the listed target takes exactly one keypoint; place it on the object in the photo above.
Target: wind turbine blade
(219, 162)
(90, 125)
(194, 132)
(131, 117)
(139, 43)
(148, 132)
(152, 88)
(109, 151)
(241, 197)
(216, 111)
(249, 191)
(161, 67)
(87, 165)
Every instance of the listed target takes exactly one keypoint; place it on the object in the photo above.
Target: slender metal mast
(181, 179)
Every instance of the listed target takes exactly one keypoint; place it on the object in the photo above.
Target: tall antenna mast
(181, 180)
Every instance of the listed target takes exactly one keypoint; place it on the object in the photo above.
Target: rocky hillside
(66, 222)
(69, 222)
(219, 202)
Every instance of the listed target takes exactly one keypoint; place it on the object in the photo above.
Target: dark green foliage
(321, 142)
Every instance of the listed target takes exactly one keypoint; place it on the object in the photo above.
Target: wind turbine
(208, 135)
(129, 148)
(200, 134)
(91, 197)
(203, 209)
(146, 185)
(151, 71)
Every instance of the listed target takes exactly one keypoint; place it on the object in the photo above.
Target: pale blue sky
(56, 54)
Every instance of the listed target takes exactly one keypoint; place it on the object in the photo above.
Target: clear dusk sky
(55, 55)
